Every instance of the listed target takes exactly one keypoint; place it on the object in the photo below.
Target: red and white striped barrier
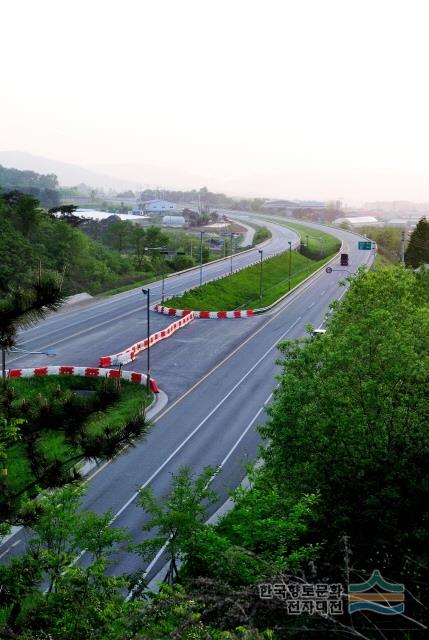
(87, 372)
(213, 315)
(130, 354)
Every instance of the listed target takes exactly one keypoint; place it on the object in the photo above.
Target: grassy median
(241, 290)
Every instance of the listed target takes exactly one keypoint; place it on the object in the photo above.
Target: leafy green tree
(119, 234)
(79, 602)
(21, 307)
(177, 516)
(348, 422)
(417, 252)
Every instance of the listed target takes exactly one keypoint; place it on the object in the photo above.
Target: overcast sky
(292, 98)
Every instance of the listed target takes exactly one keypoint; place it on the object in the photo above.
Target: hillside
(68, 174)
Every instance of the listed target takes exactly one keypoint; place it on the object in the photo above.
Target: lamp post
(147, 293)
(163, 253)
(48, 353)
(260, 276)
(201, 257)
(232, 236)
(290, 260)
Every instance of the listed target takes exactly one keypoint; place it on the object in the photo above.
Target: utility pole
(201, 257)
(232, 236)
(260, 276)
(402, 246)
(147, 293)
(290, 260)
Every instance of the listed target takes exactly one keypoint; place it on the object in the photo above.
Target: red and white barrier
(87, 372)
(213, 315)
(130, 354)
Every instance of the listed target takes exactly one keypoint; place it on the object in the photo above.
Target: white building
(154, 206)
(358, 221)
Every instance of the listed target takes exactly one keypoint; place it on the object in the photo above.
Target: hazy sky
(293, 98)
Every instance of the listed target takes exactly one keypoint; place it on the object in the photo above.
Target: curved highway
(219, 376)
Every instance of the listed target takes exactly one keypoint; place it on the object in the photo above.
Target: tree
(77, 599)
(67, 213)
(417, 252)
(348, 422)
(22, 307)
(177, 516)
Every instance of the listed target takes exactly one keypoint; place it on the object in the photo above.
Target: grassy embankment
(241, 290)
(316, 243)
(261, 234)
(52, 411)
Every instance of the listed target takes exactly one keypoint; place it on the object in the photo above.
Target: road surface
(219, 376)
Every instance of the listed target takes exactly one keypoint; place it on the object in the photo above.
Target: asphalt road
(80, 335)
(219, 376)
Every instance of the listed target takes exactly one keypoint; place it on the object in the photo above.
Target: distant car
(318, 332)
(344, 260)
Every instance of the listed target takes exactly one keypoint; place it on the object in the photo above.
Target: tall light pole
(232, 236)
(201, 257)
(290, 260)
(163, 253)
(147, 293)
(260, 276)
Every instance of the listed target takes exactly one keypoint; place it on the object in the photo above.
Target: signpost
(328, 269)
(365, 245)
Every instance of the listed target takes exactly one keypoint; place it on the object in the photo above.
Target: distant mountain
(152, 176)
(68, 174)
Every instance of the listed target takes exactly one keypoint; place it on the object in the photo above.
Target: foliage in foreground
(46, 430)
(343, 491)
(349, 421)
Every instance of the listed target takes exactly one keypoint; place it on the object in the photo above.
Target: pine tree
(417, 252)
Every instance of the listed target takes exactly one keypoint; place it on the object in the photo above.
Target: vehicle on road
(344, 260)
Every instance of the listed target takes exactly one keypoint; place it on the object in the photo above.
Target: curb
(247, 313)
(87, 372)
(213, 315)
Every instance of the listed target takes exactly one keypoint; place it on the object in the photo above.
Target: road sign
(328, 269)
(365, 245)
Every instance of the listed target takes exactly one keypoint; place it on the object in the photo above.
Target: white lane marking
(311, 305)
(202, 423)
(180, 280)
(14, 544)
(323, 292)
(222, 464)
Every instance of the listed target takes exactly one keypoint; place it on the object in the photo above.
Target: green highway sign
(364, 245)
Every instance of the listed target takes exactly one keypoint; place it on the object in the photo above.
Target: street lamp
(233, 236)
(260, 275)
(290, 260)
(146, 292)
(48, 353)
(201, 257)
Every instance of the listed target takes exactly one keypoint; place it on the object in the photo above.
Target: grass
(106, 409)
(327, 245)
(241, 290)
